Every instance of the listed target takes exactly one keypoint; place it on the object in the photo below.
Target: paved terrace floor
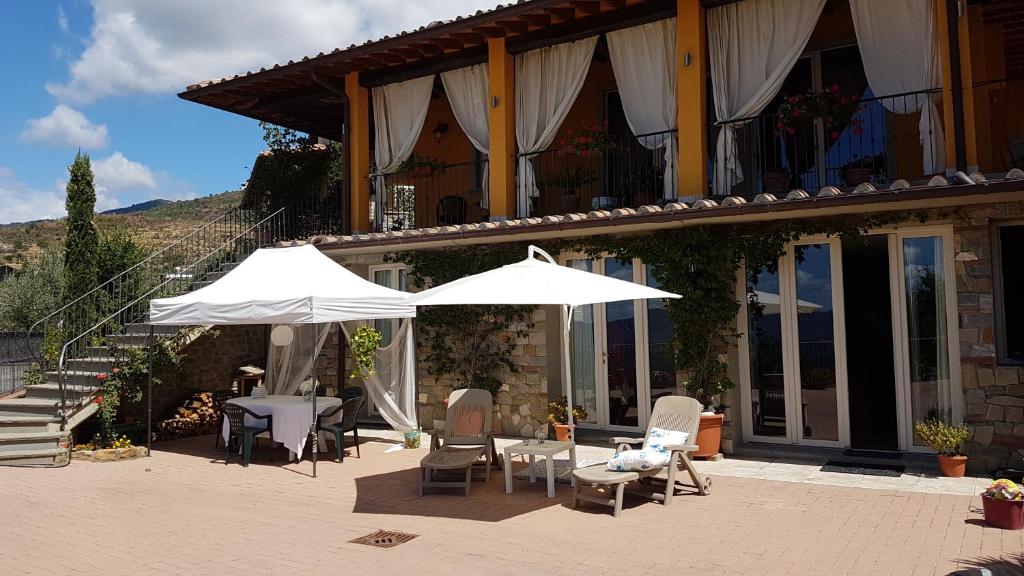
(184, 512)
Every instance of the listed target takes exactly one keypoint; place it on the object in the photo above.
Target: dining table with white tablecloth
(292, 417)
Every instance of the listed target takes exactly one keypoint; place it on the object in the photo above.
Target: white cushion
(659, 438)
(653, 455)
(638, 460)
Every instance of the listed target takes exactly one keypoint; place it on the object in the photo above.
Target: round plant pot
(709, 435)
(561, 432)
(855, 176)
(953, 466)
(1005, 514)
(776, 182)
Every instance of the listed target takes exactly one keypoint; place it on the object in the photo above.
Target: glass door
(930, 359)
(620, 352)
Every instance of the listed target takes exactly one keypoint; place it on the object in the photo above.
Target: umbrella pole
(312, 370)
(567, 363)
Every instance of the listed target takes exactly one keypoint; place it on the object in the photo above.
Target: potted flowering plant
(709, 431)
(860, 169)
(586, 141)
(834, 108)
(945, 439)
(1003, 502)
(418, 166)
(558, 416)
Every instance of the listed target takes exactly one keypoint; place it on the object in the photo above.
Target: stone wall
(520, 407)
(993, 394)
(211, 363)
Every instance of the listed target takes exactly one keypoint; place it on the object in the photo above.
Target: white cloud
(66, 126)
(160, 47)
(6, 172)
(117, 174)
(62, 20)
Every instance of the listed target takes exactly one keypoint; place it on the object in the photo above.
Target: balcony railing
(1000, 128)
(874, 145)
(429, 196)
(619, 172)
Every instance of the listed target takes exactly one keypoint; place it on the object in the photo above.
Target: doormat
(384, 539)
(842, 467)
(881, 454)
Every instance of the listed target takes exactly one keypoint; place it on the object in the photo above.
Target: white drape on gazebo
(753, 45)
(288, 366)
(897, 43)
(393, 388)
(467, 93)
(547, 83)
(399, 110)
(644, 61)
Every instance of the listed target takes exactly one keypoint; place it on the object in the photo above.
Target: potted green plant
(776, 181)
(946, 440)
(709, 432)
(859, 170)
(558, 416)
(568, 180)
(417, 166)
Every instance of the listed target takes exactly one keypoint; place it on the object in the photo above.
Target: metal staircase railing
(78, 385)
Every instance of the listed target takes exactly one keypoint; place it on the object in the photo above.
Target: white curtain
(395, 395)
(288, 366)
(467, 92)
(753, 45)
(399, 110)
(897, 43)
(547, 83)
(644, 61)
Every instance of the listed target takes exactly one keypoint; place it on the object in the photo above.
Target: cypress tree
(81, 242)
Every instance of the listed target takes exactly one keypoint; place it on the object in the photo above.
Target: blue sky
(103, 76)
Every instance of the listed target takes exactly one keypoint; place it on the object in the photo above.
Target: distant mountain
(140, 207)
(156, 223)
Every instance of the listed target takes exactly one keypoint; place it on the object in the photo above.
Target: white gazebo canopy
(295, 285)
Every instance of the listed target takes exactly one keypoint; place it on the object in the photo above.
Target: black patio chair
(350, 410)
(451, 211)
(236, 421)
(219, 398)
(350, 393)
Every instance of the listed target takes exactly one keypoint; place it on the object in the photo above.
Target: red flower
(791, 130)
(857, 130)
(834, 87)
(794, 99)
(102, 376)
(835, 135)
(796, 113)
(98, 400)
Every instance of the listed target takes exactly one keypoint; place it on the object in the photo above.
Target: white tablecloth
(292, 417)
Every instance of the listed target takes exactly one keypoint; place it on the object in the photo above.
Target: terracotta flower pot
(709, 435)
(953, 466)
(1005, 514)
(561, 432)
(570, 204)
(776, 182)
(855, 176)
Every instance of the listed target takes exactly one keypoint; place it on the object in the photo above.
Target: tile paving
(184, 512)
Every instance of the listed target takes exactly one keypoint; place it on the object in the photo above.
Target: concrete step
(28, 423)
(143, 330)
(51, 390)
(100, 351)
(36, 457)
(75, 378)
(92, 364)
(130, 339)
(30, 407)
(18, 441)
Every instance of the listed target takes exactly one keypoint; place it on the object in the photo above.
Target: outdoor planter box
(1005, 514)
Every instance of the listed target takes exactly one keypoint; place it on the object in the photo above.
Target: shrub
(944, 438)
(558, 411)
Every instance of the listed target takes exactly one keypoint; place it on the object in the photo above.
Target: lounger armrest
(626, 440)
(680, 447)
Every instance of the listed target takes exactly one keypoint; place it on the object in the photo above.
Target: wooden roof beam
(409, 53)
(490, 31)
(448, 43)
(469, 38)
(388, 57)
(561, 14)
(427, 48)
(538, 20)
(612, 4)
(587, 7)
(514, 26)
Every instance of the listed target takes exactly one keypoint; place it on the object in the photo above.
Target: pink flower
(791, 130)
(835, 135)
(98, 400)
(101, 376)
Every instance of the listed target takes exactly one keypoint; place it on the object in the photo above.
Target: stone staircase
(30, 426)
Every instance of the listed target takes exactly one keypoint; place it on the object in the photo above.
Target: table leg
(508, 473)
(549, 463)
(572, 464)
(533, 473)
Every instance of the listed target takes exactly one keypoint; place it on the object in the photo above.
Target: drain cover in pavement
(384, 539)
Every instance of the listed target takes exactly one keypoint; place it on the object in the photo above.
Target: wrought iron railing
(617, 172)
(15, 359)
(875, 145)
(428, 196)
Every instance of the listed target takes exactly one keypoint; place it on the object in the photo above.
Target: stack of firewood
(197, 416)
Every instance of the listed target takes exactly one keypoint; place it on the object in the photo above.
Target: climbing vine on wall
(471, 345)
(700, 263)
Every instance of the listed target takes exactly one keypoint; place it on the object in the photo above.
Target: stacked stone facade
(993, 394)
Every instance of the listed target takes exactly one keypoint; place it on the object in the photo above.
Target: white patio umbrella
(535, 282)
